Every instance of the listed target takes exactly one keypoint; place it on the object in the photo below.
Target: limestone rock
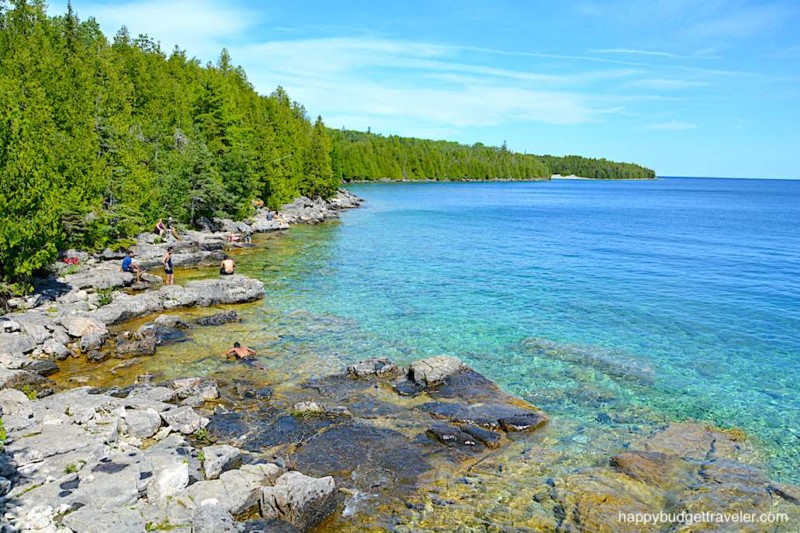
(168, 480)
(9, 326)
(142, 423)
(154, 394)
(372, 367)
(14, 402)
(184, 419)
(16, 343)
(20, 378)
(100, 278)
(212, 519)
(93, 341)
(298, 499)
(56, 349)
(227, 290)
(219, 458)
(80, 326)
(523, 422)
(218, 319)
(433, 371)
(307, 409)
(453, 436)
(88, 519)
(171, 321)
(43, 367)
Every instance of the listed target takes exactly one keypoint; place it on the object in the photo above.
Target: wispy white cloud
(202, 27)
(667, 84)
(375, 78)
(633, 51)
(672, 125)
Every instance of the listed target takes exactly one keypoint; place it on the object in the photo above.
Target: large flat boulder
(227, 290)
(433, 371)
(299, 499)
(16, 343)
(81, 326)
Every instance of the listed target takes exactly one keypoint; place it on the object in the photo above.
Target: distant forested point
(369, 156)
(99, 138)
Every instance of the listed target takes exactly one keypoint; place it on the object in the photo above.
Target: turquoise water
(619, 305)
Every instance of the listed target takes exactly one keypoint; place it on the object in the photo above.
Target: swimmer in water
(245, 355)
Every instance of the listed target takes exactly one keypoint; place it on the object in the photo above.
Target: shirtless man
(227, 266)
(244, 354)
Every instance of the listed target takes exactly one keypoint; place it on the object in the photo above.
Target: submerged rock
(218, 319)
(453, 436)
(616, 364)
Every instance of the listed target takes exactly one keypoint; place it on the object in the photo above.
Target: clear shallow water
(695, 282)
(614, 306)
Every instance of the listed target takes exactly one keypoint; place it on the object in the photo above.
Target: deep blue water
(627, 304)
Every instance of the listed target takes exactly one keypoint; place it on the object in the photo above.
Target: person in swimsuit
(167, 262)
(227, 266)
(128, 266)
(161, 229)
(245, 355)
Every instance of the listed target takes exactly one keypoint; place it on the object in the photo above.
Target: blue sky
(687, 87)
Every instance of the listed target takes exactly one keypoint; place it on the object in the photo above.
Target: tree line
(99, 138)
(368, 156)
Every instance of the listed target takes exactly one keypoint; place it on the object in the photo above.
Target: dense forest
(368, 156)
(99, 138)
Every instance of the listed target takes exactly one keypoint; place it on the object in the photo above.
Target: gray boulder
(433, 371)
(184, 419)
(93, 340)
(372, 367)
(100, 278)
(227, 290)
(142, 423)
(56, 349)
(212, 519)
(299, 499)
(20, 378)
(79, 326)
(9, 326)
(217, 459)
(16, 343)
(153, 394)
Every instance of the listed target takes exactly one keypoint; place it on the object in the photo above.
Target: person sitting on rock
(245, 355)
(171, 229)
(128, 266)
(161, 229)
(227, 266)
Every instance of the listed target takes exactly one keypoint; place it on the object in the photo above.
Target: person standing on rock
(128, 266)
(227, 266)
(167, 262)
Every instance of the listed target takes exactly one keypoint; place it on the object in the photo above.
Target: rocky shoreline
(428, 447)
(71, 310)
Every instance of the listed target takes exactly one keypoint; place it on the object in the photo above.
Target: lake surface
(620, 303)
(615, 306)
